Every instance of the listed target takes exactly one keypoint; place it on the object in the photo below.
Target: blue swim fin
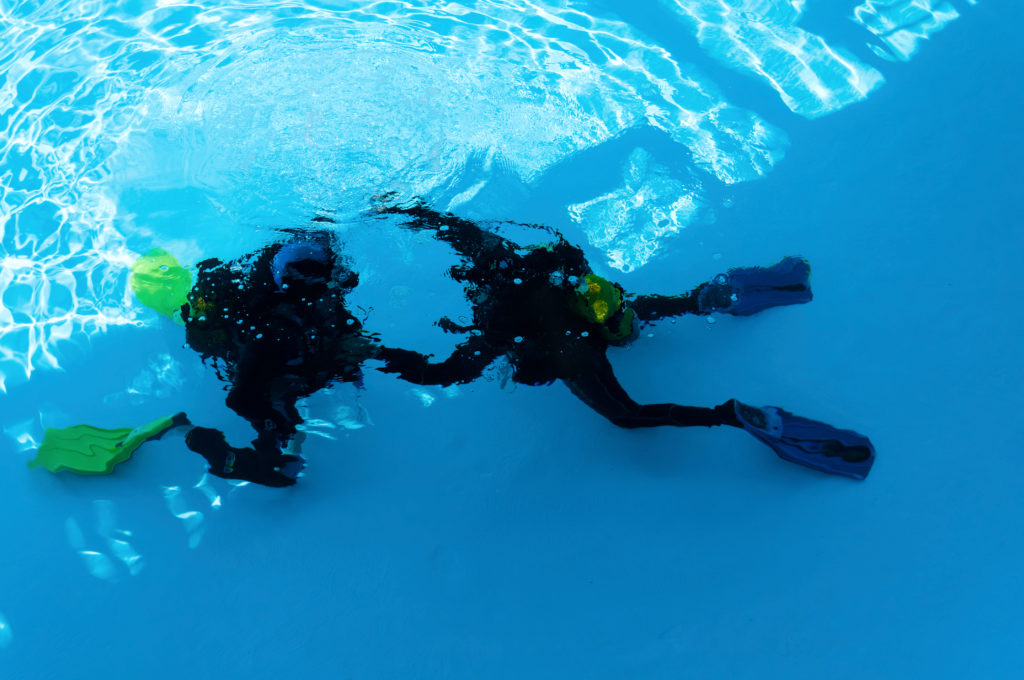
(808, 442)
(748, 290)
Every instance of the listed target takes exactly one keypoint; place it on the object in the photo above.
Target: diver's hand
(404, 362)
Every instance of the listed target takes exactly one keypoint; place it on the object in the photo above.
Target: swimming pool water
(487, 531)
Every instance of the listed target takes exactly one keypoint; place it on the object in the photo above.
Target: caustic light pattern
(629, 222)
(761, 36)
(901, 26)
(310, 105)
(429, 96)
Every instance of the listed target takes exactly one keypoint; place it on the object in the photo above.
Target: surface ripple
(293, 107)
(125, 122)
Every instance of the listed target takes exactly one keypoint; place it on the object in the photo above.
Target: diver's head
(302, 265)
(600, 301)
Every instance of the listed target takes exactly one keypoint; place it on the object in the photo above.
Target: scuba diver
(553, 318)
(275, 327)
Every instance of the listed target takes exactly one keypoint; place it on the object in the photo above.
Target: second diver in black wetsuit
(545, 310)
(276, 326)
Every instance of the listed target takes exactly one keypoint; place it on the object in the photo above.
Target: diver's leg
(265, 411)
(795, 439)
(270, 409)
(601, 391)
(261, 390)
(272, 413)
(654, 307)
(265, 464)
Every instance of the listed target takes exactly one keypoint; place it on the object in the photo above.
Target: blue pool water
(494, 532)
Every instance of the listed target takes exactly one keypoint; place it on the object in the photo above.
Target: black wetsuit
(274, 342)
(523, 308)
(276, 326)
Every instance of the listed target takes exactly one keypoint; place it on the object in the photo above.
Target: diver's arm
(465, 364)
(466, 237)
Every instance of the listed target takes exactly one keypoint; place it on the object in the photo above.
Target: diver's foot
(180, 420)
(271, 468)
(716, 296)
(808, 442)
(766, 420)
(748, 290)
(291, 467)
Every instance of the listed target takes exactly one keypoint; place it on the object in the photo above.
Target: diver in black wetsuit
(276, 327)
(545, 310)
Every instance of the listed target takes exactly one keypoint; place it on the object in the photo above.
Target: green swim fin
(161, 283)
(95, 451)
